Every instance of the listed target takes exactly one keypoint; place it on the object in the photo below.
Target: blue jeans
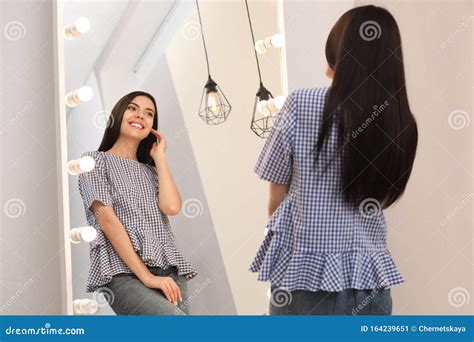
(130, 296)
(346, 302)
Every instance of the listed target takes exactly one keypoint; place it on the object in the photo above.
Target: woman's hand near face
(158, 149)
(169, 198)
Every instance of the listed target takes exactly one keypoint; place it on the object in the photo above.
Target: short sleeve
(94, 185)
(275, 162)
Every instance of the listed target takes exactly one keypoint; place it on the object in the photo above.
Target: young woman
(336, 158)
(127, 197)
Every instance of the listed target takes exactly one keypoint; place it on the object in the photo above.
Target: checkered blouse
(316, 240)
(130, 187)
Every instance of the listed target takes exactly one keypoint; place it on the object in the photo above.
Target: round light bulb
(260, 47)
(78, 28)
(85, 306)
(76, 97)
(90, 307)
(86, 163)
(82, 25)
(85, 93)
(88, 234)
(271, 106)
(278, 40)
(268, 43)
(83, 234)
(279, 101)
(78, 166)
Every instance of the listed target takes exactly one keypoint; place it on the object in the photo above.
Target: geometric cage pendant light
(214, 108)
(266, 107)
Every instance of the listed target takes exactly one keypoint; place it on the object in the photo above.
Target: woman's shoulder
(98, 156)
(308, 103)
(304, 94)
(92, 153)
(151, 167)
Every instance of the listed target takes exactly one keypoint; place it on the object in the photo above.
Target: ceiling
(124, 43)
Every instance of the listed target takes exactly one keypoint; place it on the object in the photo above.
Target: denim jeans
(129, 296)
(347, 302)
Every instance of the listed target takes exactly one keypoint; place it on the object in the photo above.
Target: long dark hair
(367, 101)
(114, 123)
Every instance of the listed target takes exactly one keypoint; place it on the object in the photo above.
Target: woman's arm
(169, 199)
(118, 237)
(277, 194)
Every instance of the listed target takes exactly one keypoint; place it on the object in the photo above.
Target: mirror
(156, 47)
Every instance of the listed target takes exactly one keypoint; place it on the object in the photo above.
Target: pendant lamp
(214, 108)
(265, 107)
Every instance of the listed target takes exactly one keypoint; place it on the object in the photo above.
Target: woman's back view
(346, 153)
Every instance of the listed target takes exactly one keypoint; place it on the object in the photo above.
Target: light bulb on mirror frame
(280, 101)
(78, 28)
(276, 104)
(272, 105)
(262, 117)
(82, 234)
(78, 166)
(260, 47)
(78, 96)
(278, 40)
(264, 45)
(85, 306)
(266, 108)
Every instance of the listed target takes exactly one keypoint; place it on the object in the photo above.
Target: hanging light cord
(203, 40)
(253, 40)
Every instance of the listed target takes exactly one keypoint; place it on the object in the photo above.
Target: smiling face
(138, 118)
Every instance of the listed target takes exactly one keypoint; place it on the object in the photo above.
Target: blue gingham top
(131, 188)
(316, 240)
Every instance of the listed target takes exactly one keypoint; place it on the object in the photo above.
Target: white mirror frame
(63, 176)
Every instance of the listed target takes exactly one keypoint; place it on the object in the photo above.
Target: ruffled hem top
(285, 263)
